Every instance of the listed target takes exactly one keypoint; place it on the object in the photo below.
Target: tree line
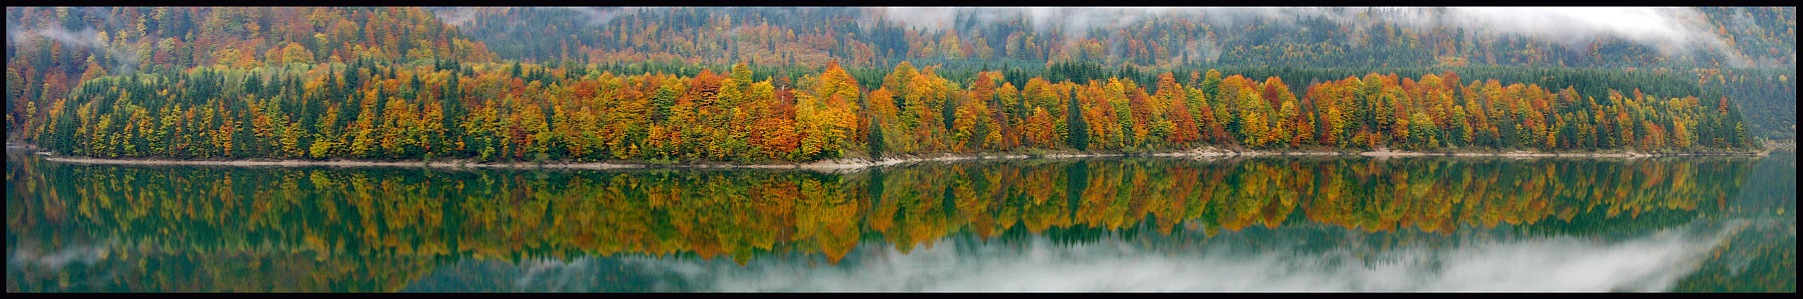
(370, 109)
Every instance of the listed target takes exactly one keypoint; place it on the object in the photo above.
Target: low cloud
(454, 16)
(124, 56)
(600, 16)
(1674, 31)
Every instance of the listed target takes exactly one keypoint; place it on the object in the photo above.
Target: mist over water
(79, 254)
(1649, 263)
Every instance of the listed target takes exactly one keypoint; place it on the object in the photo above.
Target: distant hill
(1748, 53)
(1336, 37)
(51, 50)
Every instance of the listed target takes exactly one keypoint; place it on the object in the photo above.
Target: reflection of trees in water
(582, 274)
(1255, 259)
(1771, 189)
(353, 221)
(1761, 258)
(194, 269)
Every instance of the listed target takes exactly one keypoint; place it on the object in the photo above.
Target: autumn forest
(396, 84)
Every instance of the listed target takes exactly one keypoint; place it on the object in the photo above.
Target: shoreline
(853, 164)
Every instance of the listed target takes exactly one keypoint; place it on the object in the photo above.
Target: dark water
(1139, 224)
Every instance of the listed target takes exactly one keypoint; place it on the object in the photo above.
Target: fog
(1675, 31)
(1672, 30)
(1651, 263)
(29, 256)
(598, 16)
(123, 56)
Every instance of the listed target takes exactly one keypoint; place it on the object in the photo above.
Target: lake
(1689, 224)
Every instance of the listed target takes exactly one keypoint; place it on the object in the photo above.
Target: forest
(524, 112)
(736, 84)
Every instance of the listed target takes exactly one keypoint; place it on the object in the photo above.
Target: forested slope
(792, 84)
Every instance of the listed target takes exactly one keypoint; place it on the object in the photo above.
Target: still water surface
(1134, 224)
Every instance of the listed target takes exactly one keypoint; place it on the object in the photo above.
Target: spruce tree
(1079, 133)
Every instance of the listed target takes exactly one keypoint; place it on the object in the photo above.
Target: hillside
(1746, 53)
(51, 50)
(796, 84)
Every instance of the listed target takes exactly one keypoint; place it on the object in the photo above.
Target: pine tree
(876, 141)
(1079, 130)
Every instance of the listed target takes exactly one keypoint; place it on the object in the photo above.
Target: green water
(1134, 224)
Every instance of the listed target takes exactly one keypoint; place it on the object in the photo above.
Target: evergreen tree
(1079, 130)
